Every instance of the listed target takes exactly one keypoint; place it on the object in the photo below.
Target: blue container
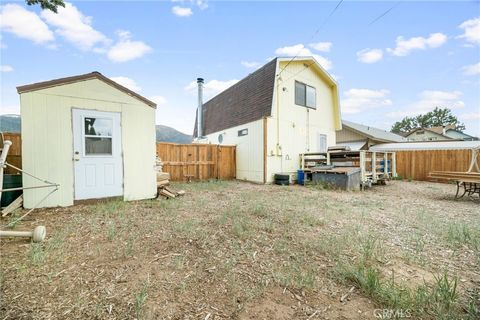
(382, 164)
(300, 177)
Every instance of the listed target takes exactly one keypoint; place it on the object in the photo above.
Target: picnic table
(470, 180)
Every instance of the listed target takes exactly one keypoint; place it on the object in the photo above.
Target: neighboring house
(287, 107)
(426, 134)
(360, 137)
(452, 132)
(92, 136)
(443, 133)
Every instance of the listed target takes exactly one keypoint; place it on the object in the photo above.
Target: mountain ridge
(12, 123)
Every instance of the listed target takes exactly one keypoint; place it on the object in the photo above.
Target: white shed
(92, 136)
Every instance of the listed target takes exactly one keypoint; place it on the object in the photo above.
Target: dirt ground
(235, 250)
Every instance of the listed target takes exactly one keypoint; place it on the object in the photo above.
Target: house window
(242, 132)
(305, 95)
(420, 132)
(322, 143)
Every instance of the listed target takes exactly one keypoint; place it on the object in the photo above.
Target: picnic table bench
(470, 180)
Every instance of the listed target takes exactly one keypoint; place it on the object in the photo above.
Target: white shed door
(97, 147)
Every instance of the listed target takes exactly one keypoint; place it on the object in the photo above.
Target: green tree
(436, 118)
(51, 5)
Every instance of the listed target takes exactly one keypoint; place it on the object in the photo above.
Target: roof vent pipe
(200, 108)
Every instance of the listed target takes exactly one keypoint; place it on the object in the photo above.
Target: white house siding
(249, 152)
(299, 127)
(47, 140)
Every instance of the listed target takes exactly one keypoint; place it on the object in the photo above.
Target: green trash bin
(11, 181)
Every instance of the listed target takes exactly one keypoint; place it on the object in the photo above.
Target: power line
(383, 14)
(314, 34)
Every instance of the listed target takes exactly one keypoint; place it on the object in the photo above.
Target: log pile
(163, 186)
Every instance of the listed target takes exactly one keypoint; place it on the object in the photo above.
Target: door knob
(76, 156)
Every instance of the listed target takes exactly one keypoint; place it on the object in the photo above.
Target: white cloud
(471, 31)
(202, 4)
(359, 100)
(472, 70)
(182, 11)
(405, 46)
(10, 110)
(75, 27)
(300, 50)
(428, 100)
(211, 88)
(250, 65)
(125, 49)
(6, 68)
(127, 82)
(159, 100)
(470, 116)
(24, 24)
(370, 55)
(321, 46)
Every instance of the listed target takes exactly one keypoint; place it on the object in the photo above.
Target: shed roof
(427, 145)
(83, 77)
(373, 133)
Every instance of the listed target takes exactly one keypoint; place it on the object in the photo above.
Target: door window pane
(98, 127)
(311, 97)
(98, 146)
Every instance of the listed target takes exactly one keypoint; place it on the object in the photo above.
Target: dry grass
(244, 251)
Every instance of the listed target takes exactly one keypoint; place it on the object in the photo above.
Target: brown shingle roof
(248, 100)
(83, 77)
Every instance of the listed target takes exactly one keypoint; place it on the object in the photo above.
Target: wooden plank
(418, 164)
(17, 203)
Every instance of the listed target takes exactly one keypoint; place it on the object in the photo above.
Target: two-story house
(285, 108)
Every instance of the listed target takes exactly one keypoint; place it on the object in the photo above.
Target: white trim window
(98, 136)
(305, 95)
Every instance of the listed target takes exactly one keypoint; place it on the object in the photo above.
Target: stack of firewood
(163, 186)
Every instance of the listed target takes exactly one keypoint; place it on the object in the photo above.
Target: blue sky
(419, 55)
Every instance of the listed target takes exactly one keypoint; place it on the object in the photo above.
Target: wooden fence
(15, 152)
(197, 161)
(416, 165)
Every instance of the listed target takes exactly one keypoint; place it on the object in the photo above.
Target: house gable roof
(326, 77)
(373, 133)
(83, 77)
(248, 100)
(251, 98)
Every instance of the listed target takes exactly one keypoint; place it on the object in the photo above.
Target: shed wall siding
(47, 139)
(249, 153)
(347, 135)
(299, 127)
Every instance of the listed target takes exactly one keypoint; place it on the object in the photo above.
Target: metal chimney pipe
(200, 108)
